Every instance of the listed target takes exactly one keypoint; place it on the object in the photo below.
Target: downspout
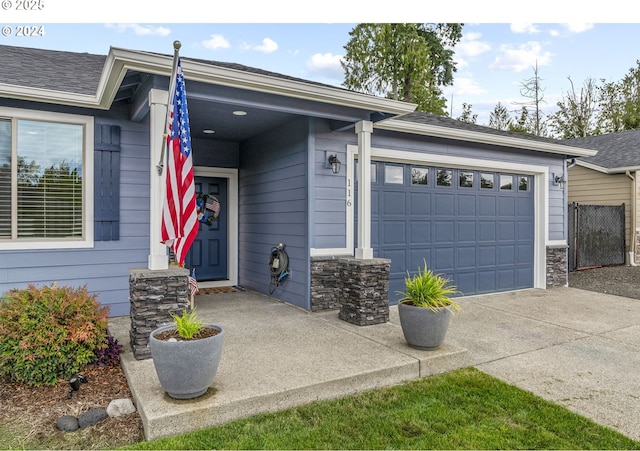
(634, 195)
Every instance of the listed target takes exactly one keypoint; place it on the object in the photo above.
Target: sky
(497, 54)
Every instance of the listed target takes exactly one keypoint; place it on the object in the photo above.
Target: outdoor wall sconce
(559, 180)
(335, 164)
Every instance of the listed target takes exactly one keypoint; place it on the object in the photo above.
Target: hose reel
(278, 266)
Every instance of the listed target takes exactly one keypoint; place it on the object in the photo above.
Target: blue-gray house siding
(104, 269)
(273, 209)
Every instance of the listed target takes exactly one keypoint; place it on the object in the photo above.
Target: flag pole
(172, 88)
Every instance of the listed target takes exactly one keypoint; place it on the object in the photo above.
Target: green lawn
(464, 409)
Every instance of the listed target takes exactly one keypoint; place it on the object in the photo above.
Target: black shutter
(106, 174)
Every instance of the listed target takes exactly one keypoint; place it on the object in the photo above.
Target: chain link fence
(596, 236)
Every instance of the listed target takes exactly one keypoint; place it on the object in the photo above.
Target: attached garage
(483, 207)
(474, 226)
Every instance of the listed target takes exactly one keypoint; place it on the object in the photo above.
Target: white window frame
(87, 123)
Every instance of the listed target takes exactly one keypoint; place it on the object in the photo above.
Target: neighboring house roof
(617, 152)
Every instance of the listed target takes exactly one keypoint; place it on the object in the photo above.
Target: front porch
(277, 356)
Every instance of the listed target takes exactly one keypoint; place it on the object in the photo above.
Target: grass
(464, 409)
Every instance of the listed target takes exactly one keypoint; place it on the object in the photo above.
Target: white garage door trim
(541, 192)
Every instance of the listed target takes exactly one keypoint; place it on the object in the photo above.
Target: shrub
(109, 355)
(49, 333)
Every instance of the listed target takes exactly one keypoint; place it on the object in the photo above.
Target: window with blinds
(41, 188)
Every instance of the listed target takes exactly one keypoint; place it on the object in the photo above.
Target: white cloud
(520, 58)
(215, 42)
(578, 27)
(471, 45)
(463, 87)
(327, 65)
(140, 30)
(267, 46)
(528, 28)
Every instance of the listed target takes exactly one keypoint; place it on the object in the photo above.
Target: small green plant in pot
(426, 308)
(186, 355)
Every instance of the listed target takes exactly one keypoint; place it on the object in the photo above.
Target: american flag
(179, 213)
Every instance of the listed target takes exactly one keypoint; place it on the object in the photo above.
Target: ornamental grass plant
(430, 290)
(188, 324)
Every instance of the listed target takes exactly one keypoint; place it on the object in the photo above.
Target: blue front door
(208, 253)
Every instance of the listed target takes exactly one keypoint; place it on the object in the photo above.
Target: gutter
(399, 125)
(634, 195)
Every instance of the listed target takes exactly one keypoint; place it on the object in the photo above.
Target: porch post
(363, 249)
(158, 100)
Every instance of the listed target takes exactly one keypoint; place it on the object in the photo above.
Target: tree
(523, 122)
(409, 62)
(620, 102)
(500, 118)
(466, 115)
(576, 115)
(533, 89)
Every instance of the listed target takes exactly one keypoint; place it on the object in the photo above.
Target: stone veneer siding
(359, 288)
(326, 288)
(153, 295)
(557, 266)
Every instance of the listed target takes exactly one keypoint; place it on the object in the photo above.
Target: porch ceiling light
(240, 113)
(335, 164)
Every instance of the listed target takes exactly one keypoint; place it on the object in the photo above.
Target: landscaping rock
(91, 417)
(119, 407)
(67, 423)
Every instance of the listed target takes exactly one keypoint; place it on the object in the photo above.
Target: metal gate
(596, 235)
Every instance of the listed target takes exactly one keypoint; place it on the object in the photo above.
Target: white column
(364, 130)
(158, 99)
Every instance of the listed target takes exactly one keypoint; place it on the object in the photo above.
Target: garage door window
(393, 175)
(466, 179)
(506, 182)
(486, 181)
(523, 183)
(419, 176)
(444, 177)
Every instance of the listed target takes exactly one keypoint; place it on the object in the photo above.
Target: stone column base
(557, 266)
(154, 295)
(364, 290)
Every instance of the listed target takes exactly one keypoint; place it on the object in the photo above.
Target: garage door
(475, 227)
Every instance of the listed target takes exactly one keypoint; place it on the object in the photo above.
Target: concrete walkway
(576, 348)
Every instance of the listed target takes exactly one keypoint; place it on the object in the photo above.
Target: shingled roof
(51, 69)
(80, 72)
(443, 121)
(615, 150)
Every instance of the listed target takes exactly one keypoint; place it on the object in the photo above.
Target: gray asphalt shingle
(51, 69)
(615, 150)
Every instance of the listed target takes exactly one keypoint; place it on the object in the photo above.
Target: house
(610, 178)
(80, 194)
